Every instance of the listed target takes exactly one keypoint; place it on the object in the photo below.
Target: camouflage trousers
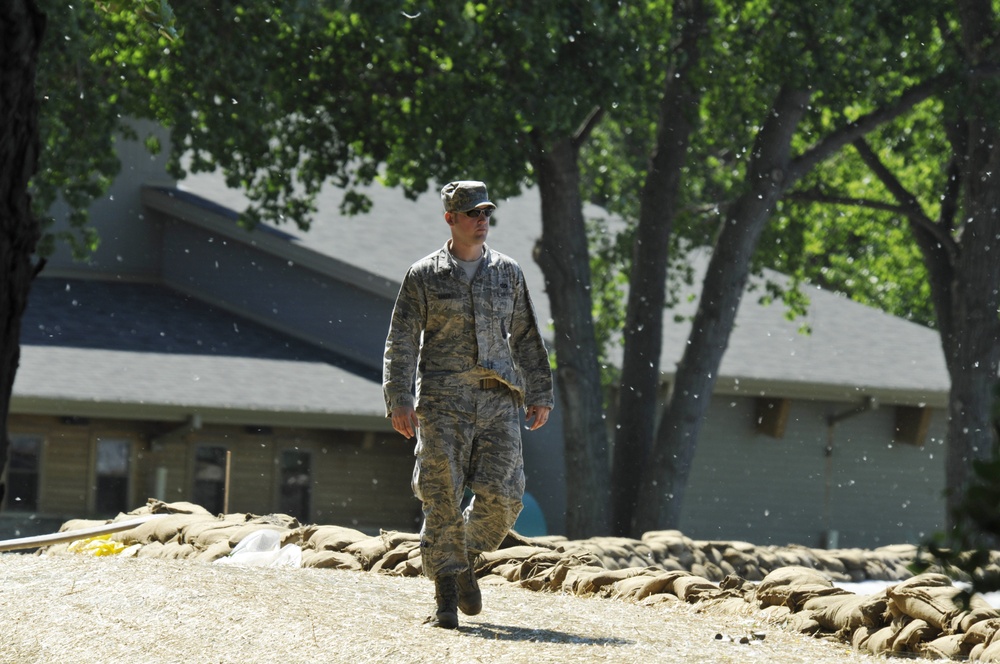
(468, 438)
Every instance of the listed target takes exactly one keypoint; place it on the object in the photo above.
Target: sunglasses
(475, 213)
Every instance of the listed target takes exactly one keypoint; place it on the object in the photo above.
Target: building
(189, 356)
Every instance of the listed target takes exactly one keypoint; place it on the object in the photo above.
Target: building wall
(868, 492)
(358, 479)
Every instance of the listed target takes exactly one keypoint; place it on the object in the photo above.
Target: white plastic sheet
(263, 549)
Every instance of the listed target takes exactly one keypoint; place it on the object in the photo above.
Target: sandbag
(934, 604)
(574, 576)
(951, 646)
(596, 582)
(640, 587)
(981, 632)
(912, 635)
(694, 588)
(214, 551)
(976, 614)
(334, 538)
(368, 550)
(880, 641)
(489, 559)
(990, 653)
(394, 556)
(326, 559)
(803, 622)
(165, 529)
(847, 611)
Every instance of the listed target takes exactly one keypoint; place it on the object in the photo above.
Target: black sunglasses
(475, 213)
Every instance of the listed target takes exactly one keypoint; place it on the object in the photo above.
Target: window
(111, 490)
(22, 473)
(296, 484)
(210, 478)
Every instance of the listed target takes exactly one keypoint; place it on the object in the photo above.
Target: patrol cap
(464, 195)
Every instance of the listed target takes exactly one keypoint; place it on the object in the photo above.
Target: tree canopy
(697, 121)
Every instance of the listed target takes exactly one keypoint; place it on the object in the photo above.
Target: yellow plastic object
(102, 545)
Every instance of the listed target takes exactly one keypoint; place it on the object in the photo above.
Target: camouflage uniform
(453, 334)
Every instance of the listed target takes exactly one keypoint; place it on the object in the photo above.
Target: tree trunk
(638, 393)
(665, 479)
(21, 28)
(563, 256)
(972, 344)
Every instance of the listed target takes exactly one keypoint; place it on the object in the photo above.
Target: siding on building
(357, 478)
(870, 490)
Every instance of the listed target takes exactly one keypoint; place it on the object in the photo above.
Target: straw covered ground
(75, 608)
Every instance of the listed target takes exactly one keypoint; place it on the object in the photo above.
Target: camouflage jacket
(445, 332)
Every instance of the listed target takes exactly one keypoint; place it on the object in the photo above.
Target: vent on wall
(912, 424)
(772, 416)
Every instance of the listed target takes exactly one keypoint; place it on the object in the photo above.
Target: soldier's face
(468, 229)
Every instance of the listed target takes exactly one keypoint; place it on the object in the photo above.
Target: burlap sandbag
(161, 529)
(154, 506)
(847, 611)
(176, 551)
(576, 576)
(640, 587)
(982, 631)
(951, 646)
(490, 559)
(326, 559)
(777, 586)
(151, 550)
(205, 533)
(880, 641)
(977, 613)
(214, 551)
(395, 556)
(912, 635)
(934, 604)
(334, 538)
(80, 524)
(368, 551)
(860, 636)
(990, 653)
(536, 565)
(803, 622)
(598, 581)
(555, 578)
(694, 588)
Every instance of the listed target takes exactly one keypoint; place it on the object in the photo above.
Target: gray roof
(100, 348)
(853, 350)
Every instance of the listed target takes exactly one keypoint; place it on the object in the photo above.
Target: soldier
(464, 325)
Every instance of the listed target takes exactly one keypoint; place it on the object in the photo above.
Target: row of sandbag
(925, 615)
(189, 531)
(916, 615)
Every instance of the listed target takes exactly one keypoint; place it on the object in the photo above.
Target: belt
(489, 383)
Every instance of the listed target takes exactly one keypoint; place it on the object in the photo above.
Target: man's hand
(404, 420)
(535, 416)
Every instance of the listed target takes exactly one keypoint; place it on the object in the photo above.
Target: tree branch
(909, 205)
(587, 126)
(816, 196)
(849, 133)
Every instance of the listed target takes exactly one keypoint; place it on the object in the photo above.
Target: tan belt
(489, 384)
